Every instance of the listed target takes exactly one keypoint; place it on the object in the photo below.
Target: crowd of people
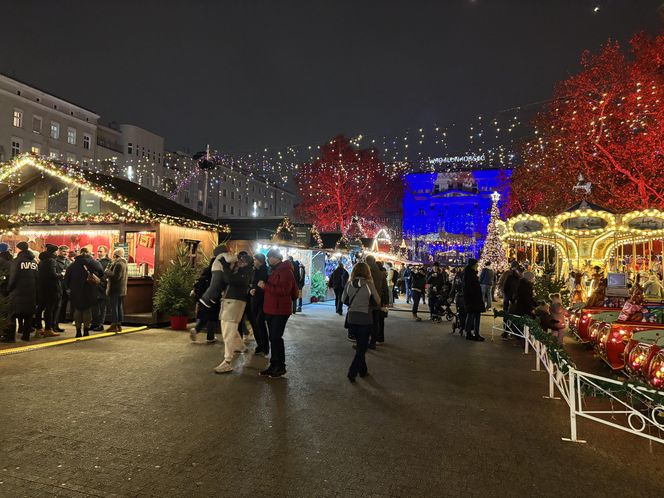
(44, 289)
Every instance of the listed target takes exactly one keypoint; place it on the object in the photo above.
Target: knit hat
(4, 247)
(22, 246)
(51, 248)
(274, 253)
(472, 262)
(260, 257)
(247, 259)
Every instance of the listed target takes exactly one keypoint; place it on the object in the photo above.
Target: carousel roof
(585, 205)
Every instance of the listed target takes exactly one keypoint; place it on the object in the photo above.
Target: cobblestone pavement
(144, 415)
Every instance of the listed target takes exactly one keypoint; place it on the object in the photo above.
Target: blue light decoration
(446, 214)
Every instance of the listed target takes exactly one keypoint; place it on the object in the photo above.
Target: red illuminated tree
(606, 122)
(345, 181)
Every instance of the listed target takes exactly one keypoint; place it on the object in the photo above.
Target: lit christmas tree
(494, 250)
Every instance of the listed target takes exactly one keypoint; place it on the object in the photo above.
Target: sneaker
(278, 372)
(192, 333)
(480, 338)
(223, 367)
(267, 372)
(211, 341)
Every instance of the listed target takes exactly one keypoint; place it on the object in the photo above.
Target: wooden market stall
(51, 202)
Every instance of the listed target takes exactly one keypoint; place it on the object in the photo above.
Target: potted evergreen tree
(174, 285)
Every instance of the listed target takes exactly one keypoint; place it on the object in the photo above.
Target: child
(543, 314)
(560, 314)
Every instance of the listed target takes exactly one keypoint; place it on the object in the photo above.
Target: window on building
(223, 208)
(130, 148)
(55, 130)
(71, 136)
(35, 149)
(200, 195)
(239, 197)
(16, 146)
(239, 212)
(54, 154)
(232, 195)
(232, 210)
(36, 124)
(224, 192)
(87, 141)
(246, 199)
(18, 118)
(71, 158)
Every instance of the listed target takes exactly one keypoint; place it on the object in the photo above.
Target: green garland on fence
(557, 354)
(554, 351)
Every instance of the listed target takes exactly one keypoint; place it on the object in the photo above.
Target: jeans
(359, 364)
(337, 301)
(409, 292)
(99, 312)
(473, 323)
(276, 325)
(433, 302)
(486, 296)
(62, 307)
(117, 308)
(377, 328)
(258, 324)
(416, 300)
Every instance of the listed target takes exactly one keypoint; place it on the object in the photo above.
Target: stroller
(443, 304)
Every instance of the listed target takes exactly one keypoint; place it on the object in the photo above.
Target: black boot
(86, 332)
(78, 332)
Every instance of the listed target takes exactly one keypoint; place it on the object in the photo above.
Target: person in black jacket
(525, 296)
(22, 287)
(100, 307)
(472, 295)
(83, 291)
(418, 282)
(457, 291)
(49, 292)
(338, 280)
(62, 262)
(256, 313)
(206, 318)
(436, 280)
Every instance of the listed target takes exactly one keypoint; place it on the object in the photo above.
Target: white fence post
(526, 337)
(572, 408)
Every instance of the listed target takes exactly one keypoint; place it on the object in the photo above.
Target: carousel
(587, 235)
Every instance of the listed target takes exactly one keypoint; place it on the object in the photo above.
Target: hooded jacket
(82, 295)
(23, 284)
(280, 290)
(361, 296)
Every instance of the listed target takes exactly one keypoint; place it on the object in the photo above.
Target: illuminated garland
(285, 230)
(74, 177)
(315, 234)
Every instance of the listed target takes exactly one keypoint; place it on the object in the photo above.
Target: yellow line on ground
(35, 347)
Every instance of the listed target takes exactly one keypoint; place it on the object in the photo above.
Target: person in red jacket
(280, 290)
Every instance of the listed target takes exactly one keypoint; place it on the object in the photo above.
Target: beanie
(4, 247)
(51, 248)
(22, 246)
(219, 249)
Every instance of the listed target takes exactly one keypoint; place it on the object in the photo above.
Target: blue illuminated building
(449, 211)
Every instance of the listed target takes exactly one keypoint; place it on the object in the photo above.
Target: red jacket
(280, 290)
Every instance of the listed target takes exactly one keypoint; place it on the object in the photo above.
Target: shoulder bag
(91, 277)
(350, 303)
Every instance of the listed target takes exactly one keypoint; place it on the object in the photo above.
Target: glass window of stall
(140, 250)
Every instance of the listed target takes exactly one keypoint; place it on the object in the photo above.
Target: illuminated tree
(607, 123)
(344, 182)
(494, 249)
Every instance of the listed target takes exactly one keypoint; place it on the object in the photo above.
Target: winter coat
(361, 296)
(419, 281)
(511, 284)
(201, 285)
(5, 267)
(472, 292)
(280, 290)
(116, 278)
(339, 279)
(380, 282)
(259, 296)
(525, 299)
(49, 279)
(238, 280)
(457, 290)
(487, 276)
(61, 265)
(299, 273)
(436, 282)
(102, 288)
(23, 284)
(82, 295)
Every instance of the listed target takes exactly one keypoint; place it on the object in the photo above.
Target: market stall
(45, 202)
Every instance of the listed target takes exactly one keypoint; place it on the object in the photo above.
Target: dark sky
(244, 75)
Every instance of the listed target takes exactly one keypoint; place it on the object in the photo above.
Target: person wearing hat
(49, 292)
(237, 277)
(256, 306)
(22, 287)
(280, 289)
(83, 289)
(62, 262)
(473, 302)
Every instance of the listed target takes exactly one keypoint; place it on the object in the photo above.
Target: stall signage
(26, 202)
(302, 235)
(88, 203)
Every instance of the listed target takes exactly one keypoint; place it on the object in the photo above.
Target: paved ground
(144, 415)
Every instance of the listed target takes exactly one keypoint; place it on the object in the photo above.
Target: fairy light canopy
(118, 200)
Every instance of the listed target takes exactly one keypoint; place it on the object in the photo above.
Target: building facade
(32, 120)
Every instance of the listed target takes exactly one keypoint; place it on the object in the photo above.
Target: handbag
(349, 305)
(91, 277)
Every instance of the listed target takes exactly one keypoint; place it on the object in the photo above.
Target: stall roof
(255, 228)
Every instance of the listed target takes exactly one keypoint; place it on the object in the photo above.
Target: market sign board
(302, 235)
(26, 202)
(88, 203)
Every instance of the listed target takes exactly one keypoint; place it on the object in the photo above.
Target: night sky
(244, 75)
